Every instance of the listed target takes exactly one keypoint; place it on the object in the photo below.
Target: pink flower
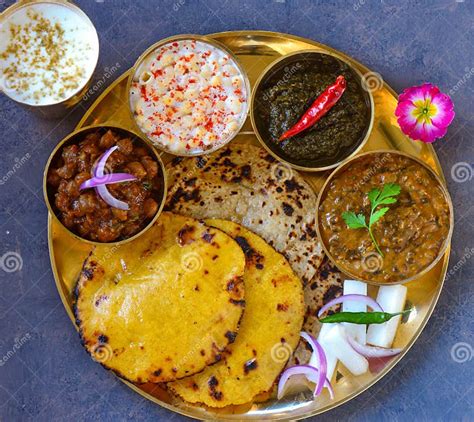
(424, 113)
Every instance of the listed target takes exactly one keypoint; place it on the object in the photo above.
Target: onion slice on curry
(99, 181)
(108, 179)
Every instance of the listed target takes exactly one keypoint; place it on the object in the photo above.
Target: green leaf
(373, 195)
(387, 201)
(376, 197)
(354, 221)
(377, 215)
(390, 189)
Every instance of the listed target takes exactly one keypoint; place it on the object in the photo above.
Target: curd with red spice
(189, 97)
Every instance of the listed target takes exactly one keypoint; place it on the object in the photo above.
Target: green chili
(362, 317)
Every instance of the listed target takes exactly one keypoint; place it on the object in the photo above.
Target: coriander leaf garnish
(377, 215)
(376, 197)
(354, 221)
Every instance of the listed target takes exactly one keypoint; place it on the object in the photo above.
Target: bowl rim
(85, 129)
(214, 43)
(260, 138)
(341, 168)
(65, 3)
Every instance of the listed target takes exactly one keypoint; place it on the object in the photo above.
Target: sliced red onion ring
(100, 167)
(367, 300)
(108, 179)
(372, 351)
(322, 365)
(327, 384)
(101, 188)
(310, 372)
(111, 200)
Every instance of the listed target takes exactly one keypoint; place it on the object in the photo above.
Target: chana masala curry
(83, 211)
(412, 232)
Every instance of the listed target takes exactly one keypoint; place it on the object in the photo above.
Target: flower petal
(429, 90)
(404, 107)
(417, 132)
(432, 132)
(445, 110)
(406, 115)
(419, 93)
(426, 132)
(415, 93)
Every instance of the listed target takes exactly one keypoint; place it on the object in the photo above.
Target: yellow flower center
(424, 111)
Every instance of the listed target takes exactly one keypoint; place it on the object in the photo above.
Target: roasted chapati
(245, 184)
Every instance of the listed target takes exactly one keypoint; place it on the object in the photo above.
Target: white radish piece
(337, 342)
(356, 331)
(391, 299)
(330, 356)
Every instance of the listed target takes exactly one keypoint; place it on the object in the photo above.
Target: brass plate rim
(429, 310)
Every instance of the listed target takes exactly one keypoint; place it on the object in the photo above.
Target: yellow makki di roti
(164, 306)
(268, 332)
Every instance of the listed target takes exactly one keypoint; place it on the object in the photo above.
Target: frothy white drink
(48, 52)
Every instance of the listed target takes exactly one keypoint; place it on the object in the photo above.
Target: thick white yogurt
(48, 52)
(189, 97)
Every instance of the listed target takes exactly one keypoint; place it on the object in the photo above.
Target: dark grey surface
(44, 372)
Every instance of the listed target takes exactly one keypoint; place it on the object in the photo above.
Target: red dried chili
(319, 108)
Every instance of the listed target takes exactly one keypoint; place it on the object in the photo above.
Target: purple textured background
(44, 373)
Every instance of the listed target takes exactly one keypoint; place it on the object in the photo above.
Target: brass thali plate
(256, 50)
